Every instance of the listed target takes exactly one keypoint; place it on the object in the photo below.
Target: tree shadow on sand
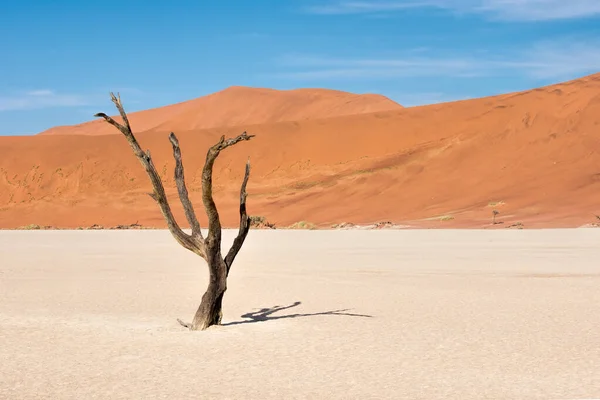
(265, 314)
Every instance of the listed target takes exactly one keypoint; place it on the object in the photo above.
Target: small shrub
(258, 221)
(31, 227)
(343, 225)
(517, 225)
(302, 225)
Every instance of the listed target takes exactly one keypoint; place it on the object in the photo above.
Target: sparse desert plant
(210, 310)
(446, 218)
(130, 226)
(343, 225)
(518, 225)
(31, 227)
(258, 221)
(302, 225)
(494, 214)
(596, 224)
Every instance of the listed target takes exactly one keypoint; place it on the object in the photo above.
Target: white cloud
(42, 92)
(514, 10)
(546, 60)
(43, 98)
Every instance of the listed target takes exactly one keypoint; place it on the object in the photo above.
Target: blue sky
(60, 59)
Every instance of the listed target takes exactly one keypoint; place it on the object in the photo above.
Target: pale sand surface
(455, 315)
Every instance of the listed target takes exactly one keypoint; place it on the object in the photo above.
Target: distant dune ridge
(237, 106)
(534, 156)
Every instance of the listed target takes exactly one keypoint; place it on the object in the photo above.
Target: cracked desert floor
(415, 314)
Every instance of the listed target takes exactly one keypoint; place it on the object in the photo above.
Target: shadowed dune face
(534, 156)
(237, 106)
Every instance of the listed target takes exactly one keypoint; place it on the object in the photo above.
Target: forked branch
(194, 242)
(214, 223)
(159, 195)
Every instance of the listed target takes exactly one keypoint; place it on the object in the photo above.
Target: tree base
(209, 313)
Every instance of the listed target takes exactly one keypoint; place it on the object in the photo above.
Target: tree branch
(185, 324)
(214, 223)
(117, 101)
(244, 222)
(190, 215)
(159, 194)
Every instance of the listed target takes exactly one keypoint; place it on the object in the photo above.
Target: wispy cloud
(368, 7)
(43, 98)
(546, 60)
(46, 98)
(42, 92)
(514, 10)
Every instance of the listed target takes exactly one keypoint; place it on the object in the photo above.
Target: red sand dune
(237, 106)
(533, 155)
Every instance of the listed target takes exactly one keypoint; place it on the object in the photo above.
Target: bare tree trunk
(210, 311)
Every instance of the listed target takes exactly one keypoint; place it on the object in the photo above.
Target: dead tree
(494, 213)
(209, 313)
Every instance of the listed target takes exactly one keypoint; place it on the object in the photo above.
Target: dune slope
(238, 106)
(534, 156)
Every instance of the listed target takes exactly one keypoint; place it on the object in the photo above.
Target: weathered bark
(190, 215)
(244, 223)
(210, 311)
